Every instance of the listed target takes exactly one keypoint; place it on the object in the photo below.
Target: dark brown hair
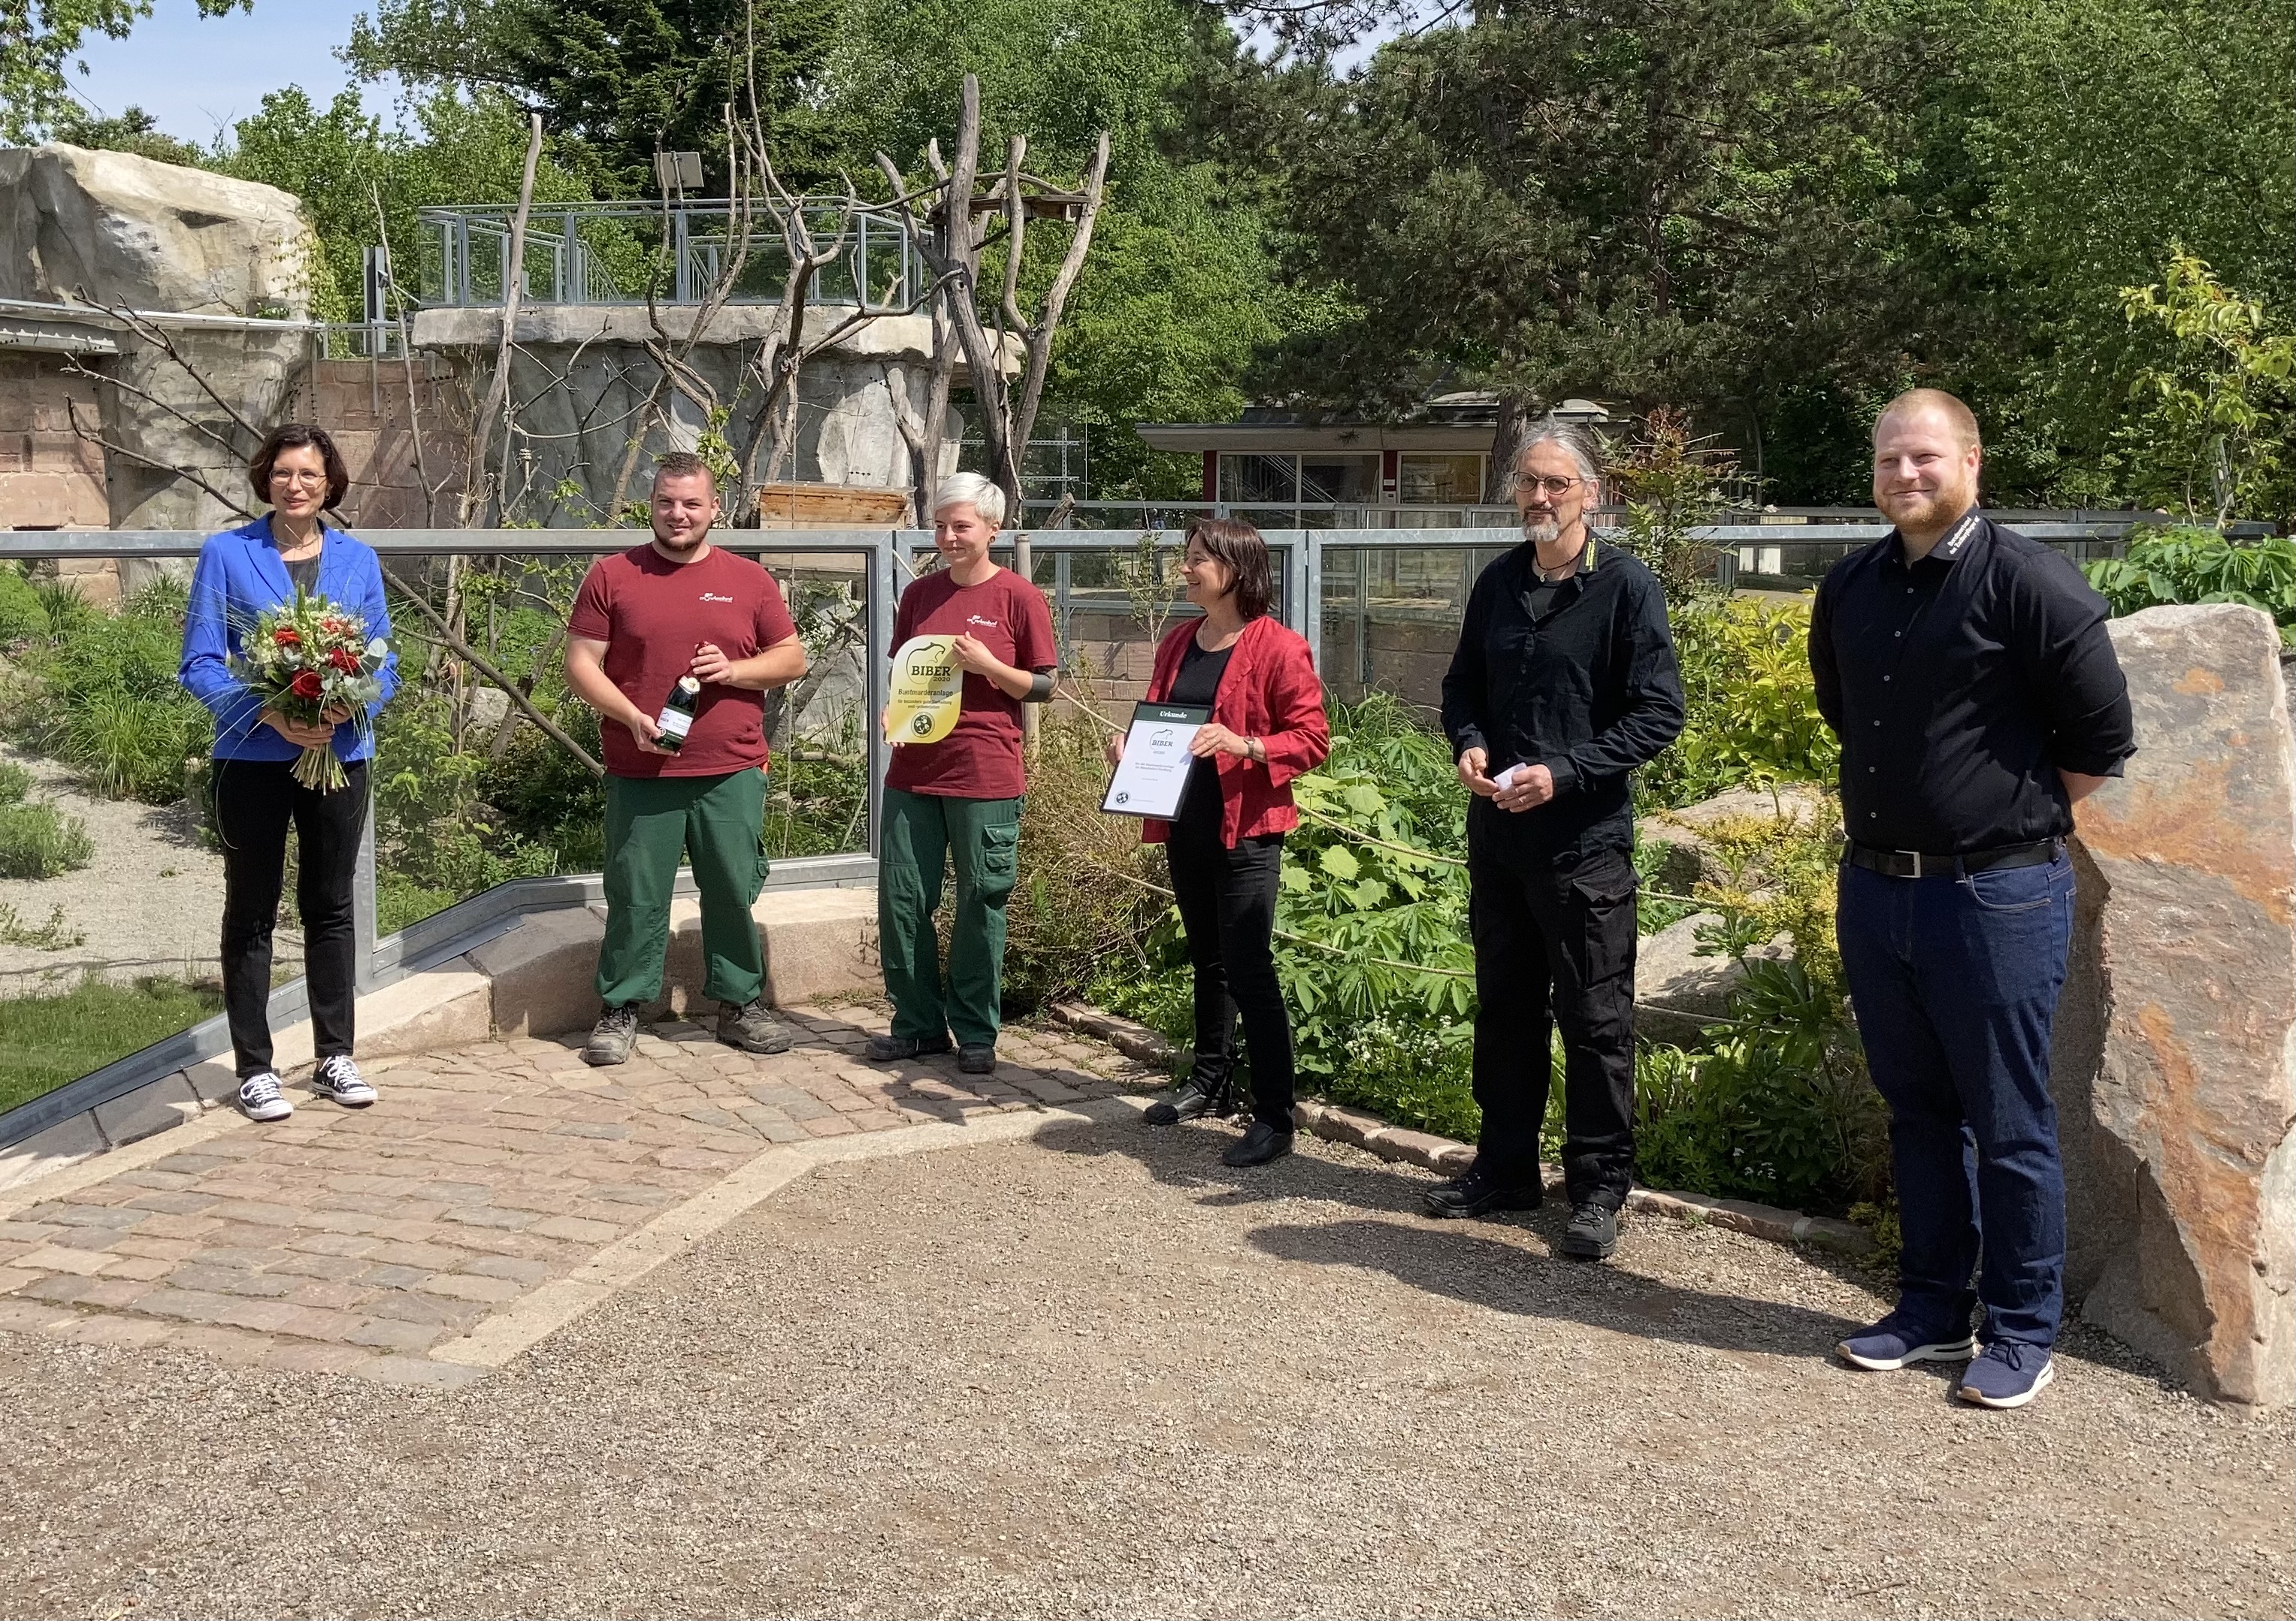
(296, 436)
(1238, 544)
(684, 464)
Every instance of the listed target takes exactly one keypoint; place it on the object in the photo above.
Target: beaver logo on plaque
(928, 691)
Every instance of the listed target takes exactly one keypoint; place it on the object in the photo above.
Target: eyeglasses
(281, 475)
(1546, 487)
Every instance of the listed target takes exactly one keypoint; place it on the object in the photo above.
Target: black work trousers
(1554, 944)
(256, 801)
(1228, 907)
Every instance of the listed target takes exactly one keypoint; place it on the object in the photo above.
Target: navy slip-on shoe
(2008, 1374)
(1895, 1343)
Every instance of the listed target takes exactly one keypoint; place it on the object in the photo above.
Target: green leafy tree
(1651, 200)
(39, 38)
(625, 75)
(1181, 291)
(2066, 148)
(2219, 408)
(342, 163)
(135, 130)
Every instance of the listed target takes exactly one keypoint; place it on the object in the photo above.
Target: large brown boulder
(2175, 1067)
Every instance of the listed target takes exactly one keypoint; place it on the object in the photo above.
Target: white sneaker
(339, 1078)
(260, 1097)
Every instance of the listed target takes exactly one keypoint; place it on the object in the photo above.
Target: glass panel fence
(473, 790)
(111, 867)
(111, 872)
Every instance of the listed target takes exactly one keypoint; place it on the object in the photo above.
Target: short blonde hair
(973, 490)
(1962, 418)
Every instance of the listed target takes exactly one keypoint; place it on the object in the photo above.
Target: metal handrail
(682, 267)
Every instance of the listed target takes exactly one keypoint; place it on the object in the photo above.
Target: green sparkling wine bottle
(676, 716)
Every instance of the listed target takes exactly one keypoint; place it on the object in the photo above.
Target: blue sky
(196, 74)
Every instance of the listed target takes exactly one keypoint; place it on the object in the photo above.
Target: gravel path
(1096, 1373)
(149, 903)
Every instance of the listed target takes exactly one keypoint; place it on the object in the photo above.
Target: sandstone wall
(2175, 1067)
(50, 478)
(363, 405)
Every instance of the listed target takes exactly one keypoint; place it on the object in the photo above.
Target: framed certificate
(1154, 773)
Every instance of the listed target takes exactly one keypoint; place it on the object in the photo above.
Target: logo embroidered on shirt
(1952, 544)
(984, 623)
(711, 596)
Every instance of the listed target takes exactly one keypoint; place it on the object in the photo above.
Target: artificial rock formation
(2175, 1067)
(115, 228)
(111, 228)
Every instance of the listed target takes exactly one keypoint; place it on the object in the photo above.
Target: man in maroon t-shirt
(674, 643)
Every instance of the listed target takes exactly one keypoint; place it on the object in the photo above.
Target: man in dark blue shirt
(1968, 673)
(1563, 682)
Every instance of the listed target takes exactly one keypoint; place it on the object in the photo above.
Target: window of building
(1424, 480)
(1341, 480)
(1259, 478)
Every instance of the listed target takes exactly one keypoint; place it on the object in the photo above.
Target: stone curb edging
(534, 978)
(1448, 1158)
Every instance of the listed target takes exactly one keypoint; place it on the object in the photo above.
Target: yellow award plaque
(928, 691)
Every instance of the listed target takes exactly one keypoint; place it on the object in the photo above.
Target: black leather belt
(1914, 863)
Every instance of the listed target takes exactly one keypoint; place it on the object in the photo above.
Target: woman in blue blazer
(240, 573)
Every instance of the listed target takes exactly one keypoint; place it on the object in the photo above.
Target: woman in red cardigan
(1227, 845)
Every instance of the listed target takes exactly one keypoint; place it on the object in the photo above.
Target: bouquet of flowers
(312, 661)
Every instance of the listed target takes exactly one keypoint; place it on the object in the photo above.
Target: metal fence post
(876, 653)
(363, 912)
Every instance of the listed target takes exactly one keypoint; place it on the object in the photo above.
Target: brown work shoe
(753, 1028)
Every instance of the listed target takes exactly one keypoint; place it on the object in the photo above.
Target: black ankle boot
(1261, 1143)
(1192, 1102)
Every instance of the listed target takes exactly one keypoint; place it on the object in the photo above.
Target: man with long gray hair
(1565, 680)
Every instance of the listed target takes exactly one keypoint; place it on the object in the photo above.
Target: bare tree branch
(464, 651)
(497, 395)
(71, 413)
(1048, 321)
(73, 368)
(156, 336)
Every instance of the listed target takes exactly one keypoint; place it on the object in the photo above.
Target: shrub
(37, 840)
(1753, 705)
(2188, 564)
(105, 696)
(1091, 895)
(15, 784)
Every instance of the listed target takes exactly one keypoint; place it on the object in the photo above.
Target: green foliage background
(1770, 213)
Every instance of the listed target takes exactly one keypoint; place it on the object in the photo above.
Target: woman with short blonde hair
(959, 798)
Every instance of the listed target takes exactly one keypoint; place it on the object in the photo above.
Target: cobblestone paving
(355, 1241)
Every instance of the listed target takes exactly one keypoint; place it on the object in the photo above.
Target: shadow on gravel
(1517, 1273)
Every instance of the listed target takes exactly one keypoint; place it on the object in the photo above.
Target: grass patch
(37, 840)
(45, 1041)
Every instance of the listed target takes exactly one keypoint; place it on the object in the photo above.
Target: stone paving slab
(361, 1241)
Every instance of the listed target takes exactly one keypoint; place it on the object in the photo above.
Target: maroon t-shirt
(652, 614)
(980, 759)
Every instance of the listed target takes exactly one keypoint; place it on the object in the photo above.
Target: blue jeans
(1955, 981)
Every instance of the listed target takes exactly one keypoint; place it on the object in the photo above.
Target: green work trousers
(650, 824)
(982, 838)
